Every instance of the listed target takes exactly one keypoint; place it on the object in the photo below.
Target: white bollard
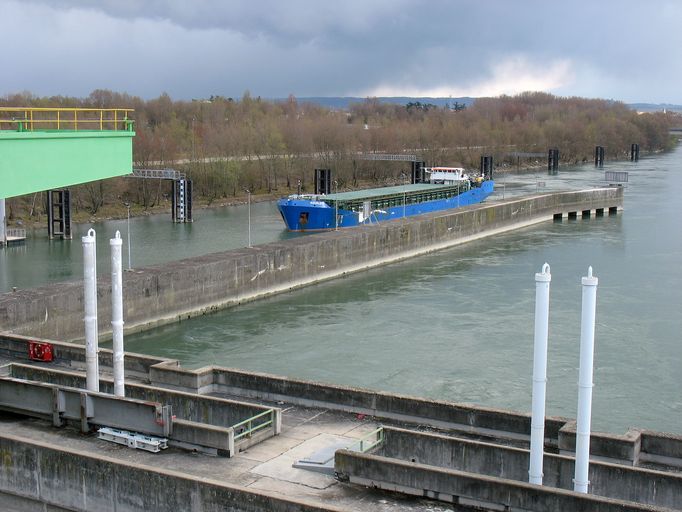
(90, 298)
(117, 313)
(582, 441)
(537, 428)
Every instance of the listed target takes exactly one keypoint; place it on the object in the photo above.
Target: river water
(456, 324)
(153, 239)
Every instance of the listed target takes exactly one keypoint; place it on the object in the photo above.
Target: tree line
(227, 145)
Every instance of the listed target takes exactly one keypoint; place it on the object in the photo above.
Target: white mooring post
(117, 313)
(90, 297)
(537, 428)
(582, 441)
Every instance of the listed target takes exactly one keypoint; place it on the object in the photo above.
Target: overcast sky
(629, 50)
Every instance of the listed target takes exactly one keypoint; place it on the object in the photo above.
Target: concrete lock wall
(467, 488)
(165, 293)
(480, 420)
(631, 448)
(15, 347)
(609, 480)
(204, 409)
(83, 482)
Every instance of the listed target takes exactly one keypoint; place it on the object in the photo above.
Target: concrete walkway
(264, 467)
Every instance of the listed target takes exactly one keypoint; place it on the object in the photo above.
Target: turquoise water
(154, 239)
(457, 324)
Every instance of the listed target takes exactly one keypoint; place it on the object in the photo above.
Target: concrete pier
(13, 236)
(165, 293)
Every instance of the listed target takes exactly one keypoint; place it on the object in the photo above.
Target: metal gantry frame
(181, 193)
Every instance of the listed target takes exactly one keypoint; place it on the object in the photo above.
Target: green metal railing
(31, 119)
(250, 427)
(374, 438)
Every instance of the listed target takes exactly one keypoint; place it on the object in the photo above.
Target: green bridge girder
(33, 161)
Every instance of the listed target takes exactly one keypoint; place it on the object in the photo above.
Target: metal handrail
(114, 119)
(250, 429)
(16, 232)
(365, 443)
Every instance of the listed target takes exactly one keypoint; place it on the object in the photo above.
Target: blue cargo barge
(448, 188)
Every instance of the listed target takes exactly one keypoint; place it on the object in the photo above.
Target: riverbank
(27, 211)
(27, 215)
(117, 211)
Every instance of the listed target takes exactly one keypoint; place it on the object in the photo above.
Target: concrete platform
(266, 467)
(46, 467)
(13, 240)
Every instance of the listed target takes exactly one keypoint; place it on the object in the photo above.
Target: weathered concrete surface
(479, 420)
(633, 448)
(15, 348)
(199, 422)
(466, 488)
(636, 447)
(663, 489)
(85, 482)
(82, 472)
(169, 292)
(315, 415)
(187, 406)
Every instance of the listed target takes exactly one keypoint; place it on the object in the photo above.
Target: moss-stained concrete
(166, 293)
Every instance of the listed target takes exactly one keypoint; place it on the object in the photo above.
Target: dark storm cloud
(623, 50)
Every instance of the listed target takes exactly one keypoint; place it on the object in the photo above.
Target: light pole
(404, 177)
(336, 206)
(3, 226)
(130, 267)
(194, 119)
(248, 199)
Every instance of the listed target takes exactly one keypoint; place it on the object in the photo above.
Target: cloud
(623, 50)
(513, 75)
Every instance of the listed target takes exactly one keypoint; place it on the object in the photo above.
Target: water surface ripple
(458, 324)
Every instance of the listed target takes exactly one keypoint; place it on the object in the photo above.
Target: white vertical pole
(90, 297)
(582, 441)
(248, 193)
(404, 176)
(537, 428)
(336, 206)
(117, 313)
(130, 266)
(3, 225)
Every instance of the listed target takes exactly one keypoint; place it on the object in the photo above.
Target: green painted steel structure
(32, 161)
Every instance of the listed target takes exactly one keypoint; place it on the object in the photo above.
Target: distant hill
(655, 107)
(343, 102)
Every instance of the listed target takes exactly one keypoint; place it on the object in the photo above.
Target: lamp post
(336, 206)
(127, 205)
(404, 177)
(3, 226)
(248, 199)
(194, 120)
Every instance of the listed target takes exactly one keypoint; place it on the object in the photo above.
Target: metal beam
(522, 154)
(37, 161)
(158, 174)
(385, 157)
(61, 403)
